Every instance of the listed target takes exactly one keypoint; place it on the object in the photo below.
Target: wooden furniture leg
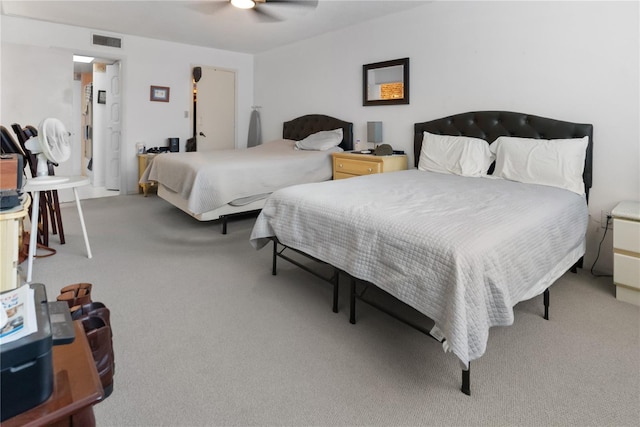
(42, 229)
(56, 216)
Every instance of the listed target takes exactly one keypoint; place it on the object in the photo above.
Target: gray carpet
(205, 335)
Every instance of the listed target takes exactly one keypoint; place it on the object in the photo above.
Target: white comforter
(463, 251)
(211, 179)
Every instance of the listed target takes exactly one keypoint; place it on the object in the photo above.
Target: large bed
(461, 247)
(215, 185)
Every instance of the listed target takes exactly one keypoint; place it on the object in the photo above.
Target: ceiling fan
(261, 7)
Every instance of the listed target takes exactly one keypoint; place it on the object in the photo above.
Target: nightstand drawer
(626, 235)
(356, 167)
(339, 175)
(626, 270)
(348, 165)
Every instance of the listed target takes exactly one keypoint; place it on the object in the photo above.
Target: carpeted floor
(205, 335)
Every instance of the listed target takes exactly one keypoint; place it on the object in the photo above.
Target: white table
(50, 183)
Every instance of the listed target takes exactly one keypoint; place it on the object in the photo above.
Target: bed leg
(578, 264)
(546, 304)
(224, 224)
(275, 255)
(466, 380)
(352, 302)
(336, 284)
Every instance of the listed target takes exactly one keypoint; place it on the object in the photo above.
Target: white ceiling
(209, 23)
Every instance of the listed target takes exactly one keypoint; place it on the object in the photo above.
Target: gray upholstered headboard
(489, 125)
(304, 126)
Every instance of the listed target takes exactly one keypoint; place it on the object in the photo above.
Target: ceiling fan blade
(208, 8)
(305, 3)
(264, 16)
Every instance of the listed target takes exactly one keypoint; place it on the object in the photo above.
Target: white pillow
(460, 155)
(322, 140)
(555, 162)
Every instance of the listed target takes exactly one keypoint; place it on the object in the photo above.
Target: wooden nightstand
(349, 164)
(143, 162)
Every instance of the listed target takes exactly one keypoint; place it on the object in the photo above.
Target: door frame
(124, 170)
(110, 124)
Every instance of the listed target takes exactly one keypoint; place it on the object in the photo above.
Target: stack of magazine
(17, 315)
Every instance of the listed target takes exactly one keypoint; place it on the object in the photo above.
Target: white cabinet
(626, 251)
(10, 232)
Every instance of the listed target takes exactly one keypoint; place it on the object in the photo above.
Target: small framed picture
(102, 97)
(159, 93)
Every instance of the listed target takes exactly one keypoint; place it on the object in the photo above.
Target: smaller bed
(215, 185)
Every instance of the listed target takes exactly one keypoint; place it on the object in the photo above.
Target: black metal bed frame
(225, 218)
(334, 280)
(354, 295)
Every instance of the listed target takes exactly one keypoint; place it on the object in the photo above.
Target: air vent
(106, 41)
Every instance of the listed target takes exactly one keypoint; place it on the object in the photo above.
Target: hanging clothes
(255, 134)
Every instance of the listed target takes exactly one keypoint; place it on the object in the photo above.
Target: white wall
(33, 94)
(574, 61)
(145, 62)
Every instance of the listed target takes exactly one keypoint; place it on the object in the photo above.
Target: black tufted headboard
(304, 126)
(489, 125)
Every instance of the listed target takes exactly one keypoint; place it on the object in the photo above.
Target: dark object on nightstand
(174, 145)
(383, 150)
(191, 144)
(156, 150)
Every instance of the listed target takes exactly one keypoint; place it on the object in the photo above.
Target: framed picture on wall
(386, 83)
(102, 97)
(159, 93)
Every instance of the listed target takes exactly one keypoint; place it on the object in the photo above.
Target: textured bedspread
(210, 179)
(463, 251)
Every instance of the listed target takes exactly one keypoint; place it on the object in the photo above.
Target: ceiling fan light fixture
(243, 4)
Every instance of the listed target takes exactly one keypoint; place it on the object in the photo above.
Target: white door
(114, 128)
(216, 110)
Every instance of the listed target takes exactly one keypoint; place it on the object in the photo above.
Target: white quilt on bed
(461, 250)
(211, 179)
